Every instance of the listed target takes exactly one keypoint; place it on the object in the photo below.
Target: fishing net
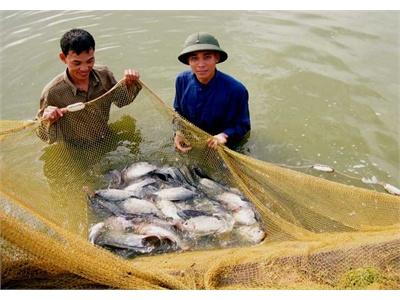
(319, 234)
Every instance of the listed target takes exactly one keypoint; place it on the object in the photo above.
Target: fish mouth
(152, 241)
(162, 244)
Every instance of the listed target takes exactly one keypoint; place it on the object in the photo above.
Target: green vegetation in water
(364, 278)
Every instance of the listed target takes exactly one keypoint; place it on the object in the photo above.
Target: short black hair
(77, 40)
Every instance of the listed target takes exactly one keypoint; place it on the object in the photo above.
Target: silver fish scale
(114, 194)
(175, 194)
(137, 170)
(137, 242)
(139, 184)
(167, 209)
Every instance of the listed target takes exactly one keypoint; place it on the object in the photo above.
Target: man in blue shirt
(208, 98)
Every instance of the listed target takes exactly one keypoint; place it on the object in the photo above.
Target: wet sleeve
(129, 94)
(124, 95)
(46, 132)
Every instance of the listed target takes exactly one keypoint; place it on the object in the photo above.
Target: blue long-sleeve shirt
(221, 105)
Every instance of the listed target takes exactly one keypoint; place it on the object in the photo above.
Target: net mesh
(319, 234)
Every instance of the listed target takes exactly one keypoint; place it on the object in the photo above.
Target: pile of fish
(148, 209)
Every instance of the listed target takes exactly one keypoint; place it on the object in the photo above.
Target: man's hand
(219, 139)
(180, 143)
(52, 114)
(131, 76)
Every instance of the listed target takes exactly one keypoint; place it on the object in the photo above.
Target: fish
(105, 207)
(147, 209)
(118, 223)
(188, 175)
(204, 225)
(391, 189)
(175, 194)
(150, 219)
(113, 223)
(137, 170)
(322, 168)
(137, 187)
(114, 194)
(198, 172)
(253, 233)
(168, 209)
(170, 174)
(191, 213)
(114, 179)
(207, 205)
(139, 206)
(244, 216)
(163, 233)
(231, 201)
(95, 231)
(139, 243)
(209, 186)
(388, 187)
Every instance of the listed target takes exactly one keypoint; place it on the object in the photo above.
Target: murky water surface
(324, 85)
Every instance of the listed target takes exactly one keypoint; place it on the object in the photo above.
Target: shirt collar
(94, 80)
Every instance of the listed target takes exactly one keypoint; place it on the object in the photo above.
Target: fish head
(152, 241)
(95, 231)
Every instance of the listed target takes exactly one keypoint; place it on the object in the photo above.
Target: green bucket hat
(201, 41)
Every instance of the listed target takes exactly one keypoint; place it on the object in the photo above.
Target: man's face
(203, 64)
(79, 66)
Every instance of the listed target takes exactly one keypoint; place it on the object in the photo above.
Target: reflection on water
(323, 84)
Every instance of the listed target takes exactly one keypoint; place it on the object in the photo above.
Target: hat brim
(183, 56)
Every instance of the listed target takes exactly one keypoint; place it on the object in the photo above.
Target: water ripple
(107, 48)
(20, 30)
(68, 20)
(21, 41)
(323, 85)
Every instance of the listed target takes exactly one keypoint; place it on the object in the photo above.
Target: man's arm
(48, 115)
(133, 87)
(241, 124)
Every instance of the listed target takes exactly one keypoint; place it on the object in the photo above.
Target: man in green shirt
(82, 81)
